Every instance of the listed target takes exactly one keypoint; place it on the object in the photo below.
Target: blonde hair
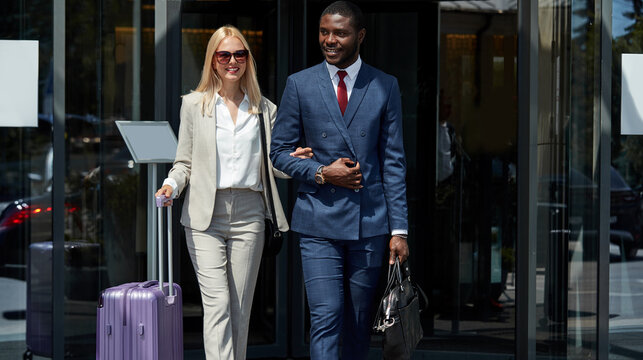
(211, 82)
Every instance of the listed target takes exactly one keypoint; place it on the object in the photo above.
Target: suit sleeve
(182, 166)
(391, 148)
(272, 114)
(287, 134)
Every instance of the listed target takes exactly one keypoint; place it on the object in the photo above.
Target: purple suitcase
(141, 320)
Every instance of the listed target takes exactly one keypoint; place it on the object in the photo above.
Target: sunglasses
(223, 57)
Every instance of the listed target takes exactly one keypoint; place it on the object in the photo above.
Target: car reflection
(27, 219)
(568, 211)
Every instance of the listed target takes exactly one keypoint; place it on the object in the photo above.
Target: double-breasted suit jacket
(195, 167)
(369, 132)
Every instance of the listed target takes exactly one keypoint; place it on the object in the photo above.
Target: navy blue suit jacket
(370, 132)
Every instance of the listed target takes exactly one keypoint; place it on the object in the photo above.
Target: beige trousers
(226, 259)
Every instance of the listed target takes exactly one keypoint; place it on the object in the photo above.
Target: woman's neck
(231, 91)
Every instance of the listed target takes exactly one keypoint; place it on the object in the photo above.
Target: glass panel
(258, 23)
(626, 288)
(105, 224)
(568, 173)
(472, 247)
(25, 198)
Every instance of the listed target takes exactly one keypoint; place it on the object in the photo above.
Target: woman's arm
(182, 167)
(302, 153)
(272, 115)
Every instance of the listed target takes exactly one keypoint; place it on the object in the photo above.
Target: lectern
(152, 143)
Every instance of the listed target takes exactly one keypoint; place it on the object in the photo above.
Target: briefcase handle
(396, 272)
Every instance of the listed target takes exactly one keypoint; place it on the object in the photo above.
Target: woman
(219, 165)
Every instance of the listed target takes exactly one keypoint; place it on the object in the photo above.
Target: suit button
(332, 190)
(356, 190)
(363, 133)
(324, 134)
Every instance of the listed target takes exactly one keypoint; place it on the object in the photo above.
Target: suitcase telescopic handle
(159, 204)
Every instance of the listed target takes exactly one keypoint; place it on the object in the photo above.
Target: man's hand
(399, 248)
(344, 172)
(302, 153)
(165, 190)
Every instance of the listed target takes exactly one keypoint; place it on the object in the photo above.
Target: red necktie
(342, 95)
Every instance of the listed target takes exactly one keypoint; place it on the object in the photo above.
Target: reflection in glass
(25, 198)
(568, 170)
(626, 268)
(105, 232)
(472, 250)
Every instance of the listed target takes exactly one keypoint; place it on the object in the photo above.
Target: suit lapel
(330, 100)
(357, 94)
(210, 127)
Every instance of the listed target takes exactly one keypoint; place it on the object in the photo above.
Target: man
(351, 201)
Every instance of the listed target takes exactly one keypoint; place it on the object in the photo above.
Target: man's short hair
(346, 9)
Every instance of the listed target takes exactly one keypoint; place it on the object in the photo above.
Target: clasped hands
(342, 172)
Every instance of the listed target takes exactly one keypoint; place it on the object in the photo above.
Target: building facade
(524, 239)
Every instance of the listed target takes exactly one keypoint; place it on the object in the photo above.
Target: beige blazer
(194, 168)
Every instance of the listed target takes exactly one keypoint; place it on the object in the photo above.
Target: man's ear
(361, 34)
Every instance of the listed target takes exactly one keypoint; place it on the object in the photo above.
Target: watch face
(319, 176)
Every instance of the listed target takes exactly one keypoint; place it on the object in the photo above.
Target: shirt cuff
(172, 183)
(399, 232)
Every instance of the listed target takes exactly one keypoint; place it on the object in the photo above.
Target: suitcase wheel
(28, 355)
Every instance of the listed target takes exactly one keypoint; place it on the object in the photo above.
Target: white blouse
(238, 148)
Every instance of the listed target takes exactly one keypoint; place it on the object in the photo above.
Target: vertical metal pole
(528, 47)
(136, 61)
(160, 60)
(170, 272)
(282, 264)
(160, 110)
(152, 263)
(167, 78)
(159, 211)
(58, 187)
(455, 322)
(605, 186)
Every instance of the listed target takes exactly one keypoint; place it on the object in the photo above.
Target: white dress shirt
(349, 79)
(238, 148)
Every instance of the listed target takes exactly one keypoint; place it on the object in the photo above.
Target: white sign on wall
(632, 94)
(18, 83)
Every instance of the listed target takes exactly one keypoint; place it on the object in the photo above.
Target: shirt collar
(351, 71)
(219, 100)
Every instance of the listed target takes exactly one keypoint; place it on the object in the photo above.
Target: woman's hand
(302, 153)
(165, 190)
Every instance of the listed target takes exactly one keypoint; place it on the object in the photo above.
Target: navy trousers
(341, 277)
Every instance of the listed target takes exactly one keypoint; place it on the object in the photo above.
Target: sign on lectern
(149, 141)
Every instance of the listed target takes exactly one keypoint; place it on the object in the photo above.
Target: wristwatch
(319, 175)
